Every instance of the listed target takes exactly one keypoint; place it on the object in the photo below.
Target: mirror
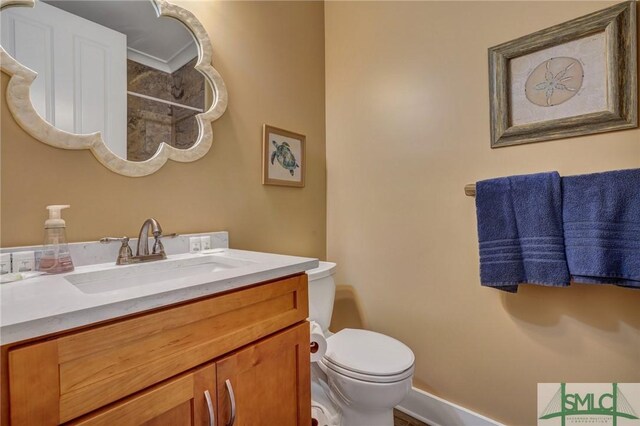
(129, 79)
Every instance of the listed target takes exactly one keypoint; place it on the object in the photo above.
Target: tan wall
(407, 128)
(271, 56)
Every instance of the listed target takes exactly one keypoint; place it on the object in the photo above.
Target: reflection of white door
(82, 70)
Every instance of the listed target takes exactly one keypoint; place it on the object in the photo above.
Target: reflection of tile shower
(150, 121)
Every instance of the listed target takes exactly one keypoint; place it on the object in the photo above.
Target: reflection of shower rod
(151, 98)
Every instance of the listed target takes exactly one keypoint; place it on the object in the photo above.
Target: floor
(401, 419)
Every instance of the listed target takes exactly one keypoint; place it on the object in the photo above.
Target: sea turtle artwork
(284, 156)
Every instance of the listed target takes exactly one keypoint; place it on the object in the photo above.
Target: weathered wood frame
(19, 102)
(619, 25)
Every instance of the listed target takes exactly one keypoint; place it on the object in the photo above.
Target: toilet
(365, 373)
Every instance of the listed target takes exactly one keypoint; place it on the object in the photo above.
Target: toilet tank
(322, 291)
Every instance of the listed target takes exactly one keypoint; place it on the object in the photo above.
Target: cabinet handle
(232, 399)
(212, 418)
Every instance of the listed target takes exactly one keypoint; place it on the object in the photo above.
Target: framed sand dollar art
(575, 78)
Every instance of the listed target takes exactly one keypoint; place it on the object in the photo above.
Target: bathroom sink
(144, 274)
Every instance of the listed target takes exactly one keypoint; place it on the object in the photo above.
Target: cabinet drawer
(81, 372)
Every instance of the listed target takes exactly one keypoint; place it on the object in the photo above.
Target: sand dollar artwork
(554, 81)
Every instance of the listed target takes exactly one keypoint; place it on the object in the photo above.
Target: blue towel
(520, 231)
(602, 227)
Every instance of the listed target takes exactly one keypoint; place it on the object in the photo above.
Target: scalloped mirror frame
(19, 101)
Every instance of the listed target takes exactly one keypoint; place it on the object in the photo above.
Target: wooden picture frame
(283, 157)
(514, 121)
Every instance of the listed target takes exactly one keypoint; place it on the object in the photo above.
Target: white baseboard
(436, 411)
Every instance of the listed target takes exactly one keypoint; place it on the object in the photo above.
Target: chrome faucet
(125, 255)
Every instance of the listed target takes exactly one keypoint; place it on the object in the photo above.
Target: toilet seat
(368, 356)
(367, 377)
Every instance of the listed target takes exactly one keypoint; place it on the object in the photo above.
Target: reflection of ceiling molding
(160, 39)
(174, 63)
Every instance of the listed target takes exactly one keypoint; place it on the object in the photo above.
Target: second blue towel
(602, 227)
(520, 231)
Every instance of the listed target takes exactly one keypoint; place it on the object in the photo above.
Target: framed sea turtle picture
(572, 79)
(283, 157)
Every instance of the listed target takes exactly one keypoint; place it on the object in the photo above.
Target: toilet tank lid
(324, 270)
(368, 352)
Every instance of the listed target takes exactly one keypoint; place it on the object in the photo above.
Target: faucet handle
(106, 240)
(124, 254)
(158, 248)
(166, 236)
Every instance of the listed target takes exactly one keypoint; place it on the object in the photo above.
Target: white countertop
(48, 304)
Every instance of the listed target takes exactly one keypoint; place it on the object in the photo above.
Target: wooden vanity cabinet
(248, 349)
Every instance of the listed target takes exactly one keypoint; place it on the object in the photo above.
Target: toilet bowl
(366, 373)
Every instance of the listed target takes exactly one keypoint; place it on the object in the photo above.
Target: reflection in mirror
(112, 67)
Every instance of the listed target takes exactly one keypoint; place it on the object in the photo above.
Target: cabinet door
(267, 383)
(179, 402)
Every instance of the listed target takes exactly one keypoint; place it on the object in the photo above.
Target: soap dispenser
(55, 257)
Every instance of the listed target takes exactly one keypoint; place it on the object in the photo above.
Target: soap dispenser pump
(55, 257)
